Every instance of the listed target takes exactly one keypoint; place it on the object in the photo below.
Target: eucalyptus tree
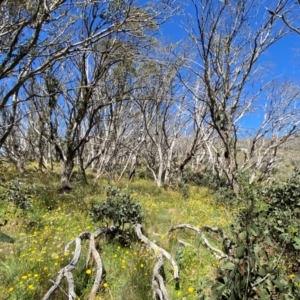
(113, 139)
(198, 133)
(280, 123)
(70, 94)
(73, 99)
(229, 39)
(34, 35)
(161, 103)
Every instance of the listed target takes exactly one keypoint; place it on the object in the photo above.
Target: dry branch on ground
(92, 253)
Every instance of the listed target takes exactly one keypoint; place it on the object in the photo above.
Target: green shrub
(184, 190)
(145, 174)
(19, 193)
(205, 178)
(264, 245)
(283, 211)
(118, 209)
(77, 177)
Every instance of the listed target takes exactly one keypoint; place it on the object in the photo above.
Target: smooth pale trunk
(160, 168)
(168, 164)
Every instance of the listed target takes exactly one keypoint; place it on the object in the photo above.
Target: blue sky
(285, 55)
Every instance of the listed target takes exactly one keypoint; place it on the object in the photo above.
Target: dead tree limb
(217, 252)
(159, 252)
(92, 253)
(158, 285)
(98, 261)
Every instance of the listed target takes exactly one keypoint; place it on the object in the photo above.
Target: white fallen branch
(158, 283)
(218, 253)
(96, 256)
(185, 244)
(67, 270)
(159, 253)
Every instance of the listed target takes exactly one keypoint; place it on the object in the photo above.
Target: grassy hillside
(30, 265)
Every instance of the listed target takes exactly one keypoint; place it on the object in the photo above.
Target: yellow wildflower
(88, 271)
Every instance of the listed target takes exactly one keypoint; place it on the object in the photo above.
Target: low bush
(118, 209)
(206, 179)
(19, 193)
(265, 262)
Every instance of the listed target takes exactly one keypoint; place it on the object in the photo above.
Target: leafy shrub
(206, 179)
(19, 193)
(283, 211)
(253, 273)
(226, 196)
(118, 209)
(145, 174)
(184, 190)
(265, 246)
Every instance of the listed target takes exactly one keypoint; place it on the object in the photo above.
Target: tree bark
(134, 163)
(66, 171)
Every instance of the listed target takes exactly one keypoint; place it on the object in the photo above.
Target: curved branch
(218, 253)
(158, 284)
(67, 270)
(95, 254)
(158, 251)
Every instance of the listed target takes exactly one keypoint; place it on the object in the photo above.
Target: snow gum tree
(229, 40)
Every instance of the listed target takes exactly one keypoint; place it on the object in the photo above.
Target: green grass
(28, 265)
